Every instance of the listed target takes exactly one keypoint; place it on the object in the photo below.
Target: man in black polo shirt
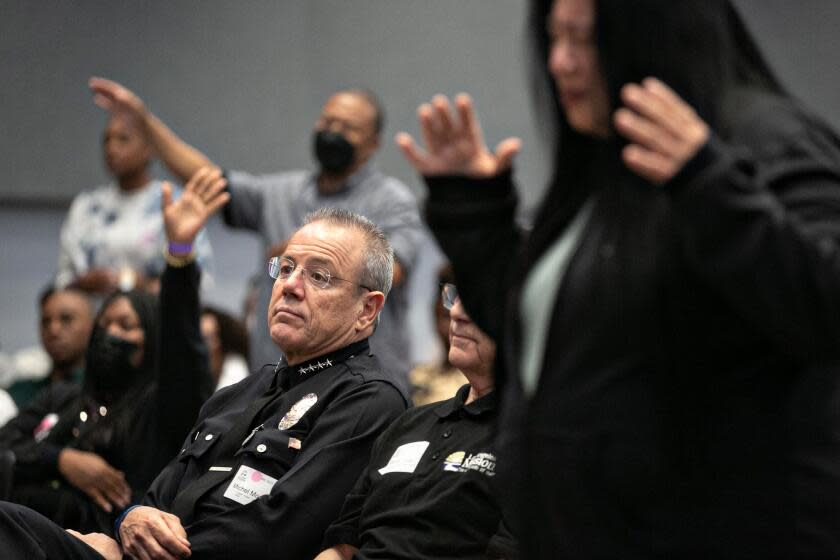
(266, 467)
(426, 492)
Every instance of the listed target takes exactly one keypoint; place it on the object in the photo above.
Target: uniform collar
(475, 408)
(288, 376)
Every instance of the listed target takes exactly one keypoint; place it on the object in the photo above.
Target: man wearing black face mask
(345, 139)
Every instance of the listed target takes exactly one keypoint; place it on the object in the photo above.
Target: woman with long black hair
(84, 455)
(671, 325)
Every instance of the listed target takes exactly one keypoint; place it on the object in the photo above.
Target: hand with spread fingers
(454, 142)
(664, 131)
(147, 533)
(203, 195)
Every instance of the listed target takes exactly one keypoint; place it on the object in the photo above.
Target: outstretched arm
(184, 379)
(471, 203)
(182, 159)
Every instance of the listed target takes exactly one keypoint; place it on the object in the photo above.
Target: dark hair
(446, 275)
(146, 307)
(700, 48)
(110, 432)
(233, 337)
(50, 290)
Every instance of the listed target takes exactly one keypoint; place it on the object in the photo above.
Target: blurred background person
(670, 324)
(227, 346)
(65, 323)
(113, 235)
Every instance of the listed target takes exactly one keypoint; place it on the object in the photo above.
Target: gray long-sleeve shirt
(275, 205)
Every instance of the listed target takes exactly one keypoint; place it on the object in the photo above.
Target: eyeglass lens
(449, 295)
(283, 268)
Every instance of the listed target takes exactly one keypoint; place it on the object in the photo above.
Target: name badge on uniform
(248, 485)
(405, 458)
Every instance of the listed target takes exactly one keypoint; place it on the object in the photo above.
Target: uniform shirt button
(435, 456)
(261, 448)
(446, 434)
(208, 437)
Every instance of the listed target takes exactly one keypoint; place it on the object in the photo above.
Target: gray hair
(377, 255)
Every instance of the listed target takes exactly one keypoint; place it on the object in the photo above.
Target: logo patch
(453, 462)
(297, 411)
(484, 463)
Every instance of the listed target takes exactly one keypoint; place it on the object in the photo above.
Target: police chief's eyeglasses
(448, 295)
(318, 276)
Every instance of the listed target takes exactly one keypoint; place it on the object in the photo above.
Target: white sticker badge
(405, 458)
(248, 485)
(298, 409)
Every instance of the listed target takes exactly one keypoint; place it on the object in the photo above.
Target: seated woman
(82, 458)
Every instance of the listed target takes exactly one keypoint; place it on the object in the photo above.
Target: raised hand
(454, 142)
(91, 474)
(203, 195)
(115, 98)
(146, 532)
(665, 132)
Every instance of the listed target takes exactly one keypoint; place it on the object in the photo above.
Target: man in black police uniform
(426, 491)
(270, 459)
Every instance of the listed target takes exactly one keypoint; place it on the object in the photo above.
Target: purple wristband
(180, 248)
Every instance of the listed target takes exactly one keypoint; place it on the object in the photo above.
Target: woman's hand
(664, 131)
(91, 474)
(203, 195)
(454, 142)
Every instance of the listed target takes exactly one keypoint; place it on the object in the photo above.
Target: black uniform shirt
(426, 492)
(312, 431)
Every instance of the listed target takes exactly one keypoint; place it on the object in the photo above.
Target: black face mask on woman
(108, 368)
(333, 151)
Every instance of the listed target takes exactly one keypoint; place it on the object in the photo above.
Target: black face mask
(108, 367)
(333, 151)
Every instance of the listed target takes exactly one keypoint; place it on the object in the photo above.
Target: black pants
(27, 535)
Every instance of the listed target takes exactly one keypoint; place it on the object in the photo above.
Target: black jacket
(313, 436)
(687, 404)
